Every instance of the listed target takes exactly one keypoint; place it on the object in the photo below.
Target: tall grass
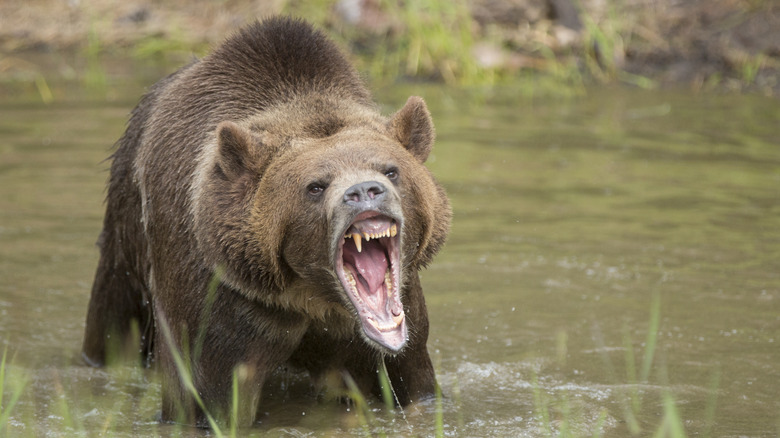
(604, 46)
(554, 414)
(437, 41)
(431, 39)
(428, 40)
(671, 423)
(556, 418)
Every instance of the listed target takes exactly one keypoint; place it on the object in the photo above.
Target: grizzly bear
(261, 213)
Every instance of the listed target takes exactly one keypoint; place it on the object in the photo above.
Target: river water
(581, 227)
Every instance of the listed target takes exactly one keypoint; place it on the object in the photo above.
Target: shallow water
(570, 217)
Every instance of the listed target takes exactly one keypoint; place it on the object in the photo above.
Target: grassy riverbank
(538, 46)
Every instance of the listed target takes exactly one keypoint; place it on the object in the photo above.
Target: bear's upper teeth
(392, 231)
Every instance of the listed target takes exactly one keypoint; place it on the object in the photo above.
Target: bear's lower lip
(368, 267)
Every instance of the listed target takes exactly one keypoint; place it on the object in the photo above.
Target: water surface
(570, 217)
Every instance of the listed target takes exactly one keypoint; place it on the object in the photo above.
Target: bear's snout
(367, 195)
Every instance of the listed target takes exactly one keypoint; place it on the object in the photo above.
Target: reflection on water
(569, 218)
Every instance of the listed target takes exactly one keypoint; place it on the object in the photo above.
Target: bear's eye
(392, 174)
(316, 189)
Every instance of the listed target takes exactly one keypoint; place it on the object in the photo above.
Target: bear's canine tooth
(399, 319)
(358, 241)
(393, 230)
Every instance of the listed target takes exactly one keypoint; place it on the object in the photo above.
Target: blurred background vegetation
(536, 46)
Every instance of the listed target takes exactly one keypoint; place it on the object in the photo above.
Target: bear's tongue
(368, 268)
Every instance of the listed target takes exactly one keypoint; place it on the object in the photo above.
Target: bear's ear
(413, 127)
(238, 150)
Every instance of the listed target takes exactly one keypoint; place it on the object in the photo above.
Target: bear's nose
(367, 194)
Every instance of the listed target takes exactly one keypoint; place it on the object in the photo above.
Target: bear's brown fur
(261, 212)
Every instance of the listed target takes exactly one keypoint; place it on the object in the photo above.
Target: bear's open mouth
(368, 266)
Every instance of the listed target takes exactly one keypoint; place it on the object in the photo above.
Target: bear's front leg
(216, 393)
(239, 339)
(118, 323)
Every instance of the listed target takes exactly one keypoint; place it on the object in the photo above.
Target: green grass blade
(439, 412)
(361, 407)
(709, 410)
(541, 407)
(652, 337)
(672, 425)
(628, 346)
(211, 295)
(2, 377)
(384, 384)
(600, 423)
(15, 393)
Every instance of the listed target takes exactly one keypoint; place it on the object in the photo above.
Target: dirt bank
(723, 44)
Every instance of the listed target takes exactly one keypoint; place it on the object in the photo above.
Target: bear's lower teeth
(397, 320)
(353, 285)
(389, 283)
